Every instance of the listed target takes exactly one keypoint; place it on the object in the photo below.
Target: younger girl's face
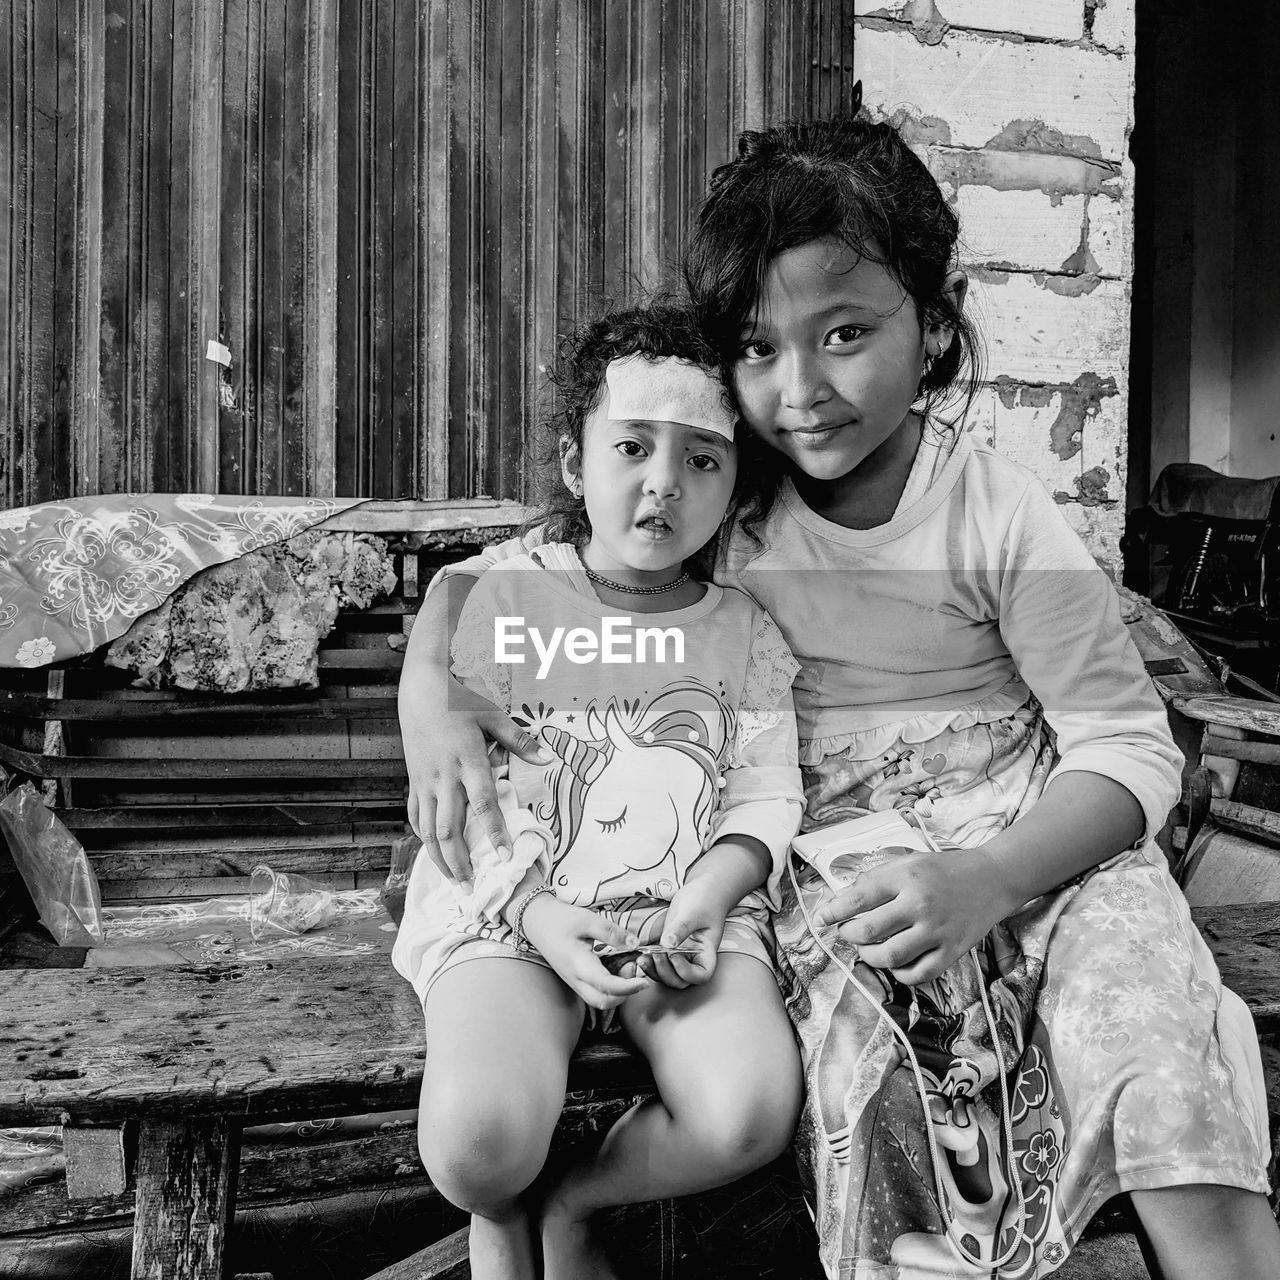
(831, 364)
(655, 491)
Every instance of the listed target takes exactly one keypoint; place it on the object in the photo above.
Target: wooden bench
(189, 1056)
(155, 1072)
(177, 796)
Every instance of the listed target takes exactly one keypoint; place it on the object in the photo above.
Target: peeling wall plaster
(1004, 105)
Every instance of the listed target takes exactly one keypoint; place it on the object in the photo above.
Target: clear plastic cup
(284, 903)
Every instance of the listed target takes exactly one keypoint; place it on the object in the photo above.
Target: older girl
(1004, 1034)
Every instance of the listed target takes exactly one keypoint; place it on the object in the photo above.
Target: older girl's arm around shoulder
(443, 728)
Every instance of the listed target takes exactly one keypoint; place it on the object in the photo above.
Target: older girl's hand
(445, 728)
(918, 912)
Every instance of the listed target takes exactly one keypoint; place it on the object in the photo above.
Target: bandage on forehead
(667, 390)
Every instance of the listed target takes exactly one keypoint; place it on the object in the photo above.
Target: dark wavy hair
(659, 327)
(845, 177)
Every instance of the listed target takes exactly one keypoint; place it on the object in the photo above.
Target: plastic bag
(54, 867)
(284, 902)
(404, 852)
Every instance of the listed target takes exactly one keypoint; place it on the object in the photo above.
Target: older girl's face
(832, 361)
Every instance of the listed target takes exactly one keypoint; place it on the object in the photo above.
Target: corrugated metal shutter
(387, 212)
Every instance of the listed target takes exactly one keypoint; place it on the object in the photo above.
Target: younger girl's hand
(565, 934)
(918, 912)
(694, 918)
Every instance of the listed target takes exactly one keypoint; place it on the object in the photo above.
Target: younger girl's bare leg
(1206, 1230)
(729, 1084)
(499, 1036)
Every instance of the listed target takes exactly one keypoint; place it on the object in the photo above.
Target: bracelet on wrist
(518, 939)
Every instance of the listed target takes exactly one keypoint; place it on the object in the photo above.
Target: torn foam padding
(255, 622)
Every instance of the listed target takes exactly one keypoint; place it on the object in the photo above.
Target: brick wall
(1022, 111)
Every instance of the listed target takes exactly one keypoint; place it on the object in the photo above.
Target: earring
(576, 487)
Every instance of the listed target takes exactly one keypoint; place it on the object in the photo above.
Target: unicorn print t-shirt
(669, 731)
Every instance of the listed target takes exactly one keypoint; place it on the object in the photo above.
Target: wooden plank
(1229, 869)
(285, 430)
(15, 163)
(398, 313)
(161, 382)
(177, 445)
(354, 403)
(447, 1259)
(205, 792)
(186, 1197)
(118, 207)
(1239, 713)
(361, 660)
(1248, 957)
(428, 515)
(301, 845)
(272, 215)
(78, 344)
(321, 179)
(1221, 925)
(311, 1037)
(34, 453)
(237, 239)
(165, 867)
(233, 817)
(115, 708)
(434, 247)
(1237, 749)
(95, 1162)
(1247, 818)
(152, 889)
(1250, 970)
(205, 769)
(45, 1205)
(204, 196)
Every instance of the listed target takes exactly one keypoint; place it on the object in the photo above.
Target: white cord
(1011, 1173)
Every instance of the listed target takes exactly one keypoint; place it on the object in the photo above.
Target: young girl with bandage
(648, 845)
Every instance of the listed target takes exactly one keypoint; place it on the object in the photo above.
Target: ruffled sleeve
(471, 651)
(762, 795)
(766, 687)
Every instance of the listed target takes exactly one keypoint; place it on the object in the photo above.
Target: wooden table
(191, 1055)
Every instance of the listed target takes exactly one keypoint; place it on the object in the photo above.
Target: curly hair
(660, 327)
(849, 178)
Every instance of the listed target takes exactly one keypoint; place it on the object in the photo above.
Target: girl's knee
(482, 1159)
(746, 1132)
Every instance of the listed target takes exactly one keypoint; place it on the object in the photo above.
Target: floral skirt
(1126, 1064)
